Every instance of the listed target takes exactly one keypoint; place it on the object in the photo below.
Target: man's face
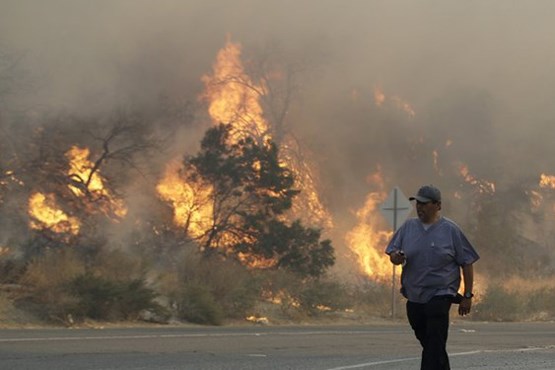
(427, 211)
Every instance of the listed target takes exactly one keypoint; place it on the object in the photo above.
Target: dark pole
(393, 283)
(396, 208)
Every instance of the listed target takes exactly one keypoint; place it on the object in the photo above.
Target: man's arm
(468, 279)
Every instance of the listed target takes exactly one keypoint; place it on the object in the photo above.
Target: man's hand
(465, 306)
(397, 257)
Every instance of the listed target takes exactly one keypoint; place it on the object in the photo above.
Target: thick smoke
(478, 76)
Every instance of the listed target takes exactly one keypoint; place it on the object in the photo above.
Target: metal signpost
(395, 209)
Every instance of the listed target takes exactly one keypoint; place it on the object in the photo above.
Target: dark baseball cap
(427, 193)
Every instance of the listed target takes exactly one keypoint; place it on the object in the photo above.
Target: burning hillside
(236, 99)
(350, 108)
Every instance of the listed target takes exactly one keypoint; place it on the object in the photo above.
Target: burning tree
(257, 107)
(250, 190)
(72, 175)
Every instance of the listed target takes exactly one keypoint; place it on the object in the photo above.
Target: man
(433, 250)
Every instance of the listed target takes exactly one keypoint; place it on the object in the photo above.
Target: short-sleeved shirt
(434, 258)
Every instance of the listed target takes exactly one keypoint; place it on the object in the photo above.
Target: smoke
(477, 74)
(132, 50)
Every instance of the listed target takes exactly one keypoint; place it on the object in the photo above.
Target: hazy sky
(458, 63)
(415, 48)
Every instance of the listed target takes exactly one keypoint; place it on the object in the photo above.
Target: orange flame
(258, 319)
(81, 169)
(483, 186)
(10, 175)
(234, 99)
(380, 99)
(193, 210)
(256, 262)
(45, 214)
(308, 205)
(367, 240)
(233, 96)
(547, 181)
(5, 179)
(4, 251)
(435, 156)
(404, 106)
(191, 206)
(536, 199)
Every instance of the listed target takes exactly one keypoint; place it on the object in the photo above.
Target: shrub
(226, 285)
(11, 269)
(298, 298)
(198, 305)
(63, 289)
(499, 305)
(317, 296)
(375, 299)
(54, 268)
(117, 265)
(47, 277)
(540, 303)
(103, 299)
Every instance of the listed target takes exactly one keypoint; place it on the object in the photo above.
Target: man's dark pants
(430, 322)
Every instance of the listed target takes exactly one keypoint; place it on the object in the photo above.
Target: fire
(435, 156)
(380, 98)
(281, 297)
(233, 96)
(547, 181)
(404, 106)
(483, 186)
(258, 319)
(308, 205)
(191, 206)
(536, 199)
(367, 240)
(10, 175)
(4, 251)
(45, 214)
(193, 210)
(87, 182)
(5, 179)
(235, 99)
(256, 262)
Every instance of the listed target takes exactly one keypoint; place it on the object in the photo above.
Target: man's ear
(439, 206)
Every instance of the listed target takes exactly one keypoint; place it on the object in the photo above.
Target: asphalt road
(484, 346)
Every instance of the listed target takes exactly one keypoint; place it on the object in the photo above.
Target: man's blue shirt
(434, 258)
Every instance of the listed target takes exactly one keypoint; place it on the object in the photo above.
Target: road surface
(484, 346)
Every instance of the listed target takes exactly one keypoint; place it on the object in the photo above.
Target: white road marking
(187, 335)
(368, 364)
(467, 331)
(375, 363)
(36, 339)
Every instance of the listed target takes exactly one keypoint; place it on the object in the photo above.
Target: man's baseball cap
(427, 193)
